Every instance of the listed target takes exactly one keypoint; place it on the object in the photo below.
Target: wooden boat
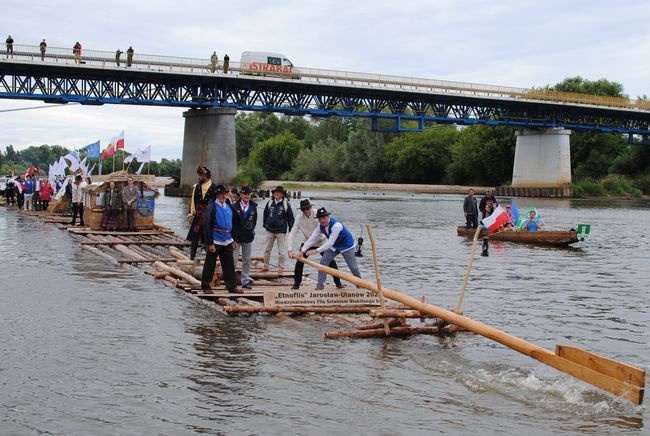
(544, 237)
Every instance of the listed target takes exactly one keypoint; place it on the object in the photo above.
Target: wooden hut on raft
(145, 205)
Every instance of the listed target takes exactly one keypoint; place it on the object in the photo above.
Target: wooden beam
(601, 380)
(172, 259)
(177, 243)
(297, 309)
(395, 331)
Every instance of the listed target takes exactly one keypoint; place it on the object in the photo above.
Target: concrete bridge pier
(543, 159)
(209, 140)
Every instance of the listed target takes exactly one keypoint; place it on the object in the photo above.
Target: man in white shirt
(305, 224)
(339, 241)
(77, 200)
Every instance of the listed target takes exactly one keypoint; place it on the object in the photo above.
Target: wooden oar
(459, 305)
(375, 260)
(612, 376)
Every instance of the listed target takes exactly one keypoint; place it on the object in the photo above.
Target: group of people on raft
(224, 223)
(486, 207)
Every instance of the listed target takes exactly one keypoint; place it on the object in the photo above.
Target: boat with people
(542, 237)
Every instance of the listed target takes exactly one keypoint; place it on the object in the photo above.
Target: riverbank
(392, 187)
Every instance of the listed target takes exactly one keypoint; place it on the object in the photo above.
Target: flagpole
(113, 161)
(123, 156)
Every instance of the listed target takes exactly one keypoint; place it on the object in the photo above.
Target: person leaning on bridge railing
(118, 53)
(10, 46)
(226, 63)
(76, 50)
(214, 60)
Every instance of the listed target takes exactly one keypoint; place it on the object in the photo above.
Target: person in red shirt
(45, 193)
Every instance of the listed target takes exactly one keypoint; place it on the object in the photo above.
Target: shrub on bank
(612, 185)
(249, 174)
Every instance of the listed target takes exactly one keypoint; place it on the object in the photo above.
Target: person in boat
(532, 224)
(510, 225)
(217, 232)
(488, 199)
(243, 232)
(306, 223)
(203, 193)
(470, 208)
(339, 241)
(112, 206)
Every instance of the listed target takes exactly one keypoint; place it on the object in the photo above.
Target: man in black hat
(217, 234)
(243, 232)
(306, 223)
(278, 220)
(203, 193)
(339, 241)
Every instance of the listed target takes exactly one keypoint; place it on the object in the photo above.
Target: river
(90, 348)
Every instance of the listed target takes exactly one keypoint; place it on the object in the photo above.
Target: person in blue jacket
(217, 236)
(339, 241)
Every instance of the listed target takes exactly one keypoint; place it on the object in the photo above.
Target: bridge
(393, 103)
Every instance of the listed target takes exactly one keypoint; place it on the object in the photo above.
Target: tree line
(345, 149)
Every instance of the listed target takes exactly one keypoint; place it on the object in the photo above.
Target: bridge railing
(157, 63)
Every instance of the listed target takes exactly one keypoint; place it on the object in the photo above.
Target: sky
(509, 42)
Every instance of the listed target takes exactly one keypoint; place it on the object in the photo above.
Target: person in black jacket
(278, 220)
(471, 210)
(489, 198)
(203, 193)
(244, 220)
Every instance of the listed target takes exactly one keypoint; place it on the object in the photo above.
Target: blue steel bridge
(393, 103)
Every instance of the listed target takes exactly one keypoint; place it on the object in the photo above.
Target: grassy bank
(392, 187)
(612, 186)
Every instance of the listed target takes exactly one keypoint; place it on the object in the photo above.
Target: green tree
(11, 154)
(421, 157)
(276, 155)
(593, 87)
(320, 163)
(364, 155)
(483, 155)
(592, 155)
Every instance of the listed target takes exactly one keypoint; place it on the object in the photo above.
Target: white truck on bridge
(267, 64)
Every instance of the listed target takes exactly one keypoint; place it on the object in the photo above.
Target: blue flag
(514, 211)
(93, 149)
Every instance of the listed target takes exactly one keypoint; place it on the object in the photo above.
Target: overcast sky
(511, 43)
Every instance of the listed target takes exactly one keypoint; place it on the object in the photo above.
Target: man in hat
(203, 193)
(278, 220)
(306, 223)
(339, 241)
(217, 232)
(243, 232)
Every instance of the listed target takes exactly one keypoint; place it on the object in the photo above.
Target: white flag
(84, 168)
(140, 169)
(73, 157)
(62, 165)
(142, 155)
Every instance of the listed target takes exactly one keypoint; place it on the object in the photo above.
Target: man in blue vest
(217, 234)
(339, 241)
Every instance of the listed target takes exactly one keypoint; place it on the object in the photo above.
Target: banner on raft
(337, 297)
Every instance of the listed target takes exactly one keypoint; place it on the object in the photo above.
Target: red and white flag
(118, 141)
(498, 218)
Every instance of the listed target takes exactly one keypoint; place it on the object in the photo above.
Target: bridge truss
(389, 109)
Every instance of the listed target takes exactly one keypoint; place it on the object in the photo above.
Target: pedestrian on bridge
(226, 63)
(118, 53)
(43, 46)
(129, 56)
(213, 61)
(76, 51)
(10, 46)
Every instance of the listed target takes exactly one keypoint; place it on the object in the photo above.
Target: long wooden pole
(459, 305)
(615, 377)
(375, 260)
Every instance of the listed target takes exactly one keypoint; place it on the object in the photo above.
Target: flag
(140, 169)
(514, 211)
(498, 218)
(29, 172)
(523, 218)
(83, 167)
(73, 157)
(142, 155)
(93, 150)
(118, 141)
(62, 166)
(110, 151)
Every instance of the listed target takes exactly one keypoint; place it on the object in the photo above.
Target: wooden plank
(298, 309)
(172, 259)
(86, 231)
(603, 365)
(395, 331)
(178, 243)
